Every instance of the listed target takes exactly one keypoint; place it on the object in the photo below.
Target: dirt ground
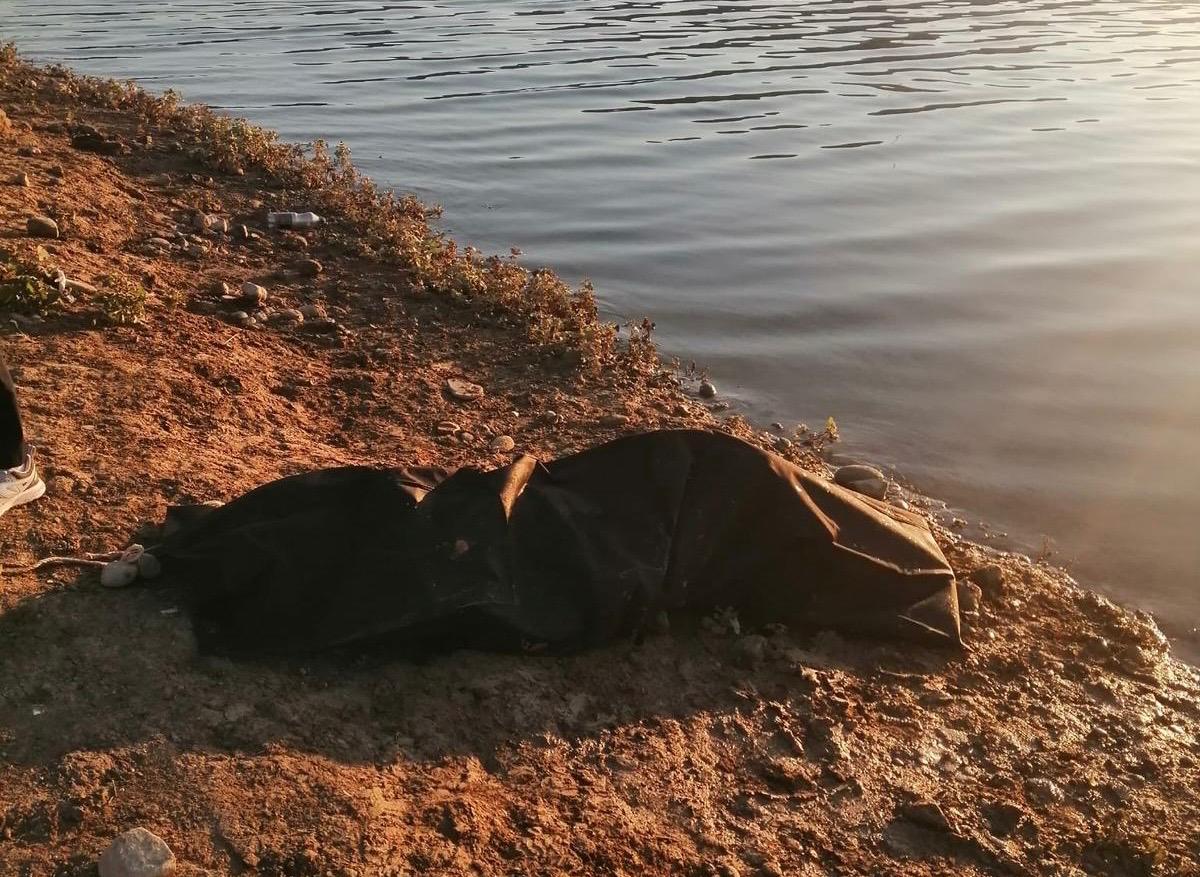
(1063, 742)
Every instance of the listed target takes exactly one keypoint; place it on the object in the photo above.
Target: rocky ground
(1063, 742)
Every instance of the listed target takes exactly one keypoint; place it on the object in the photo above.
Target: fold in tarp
(556, 556)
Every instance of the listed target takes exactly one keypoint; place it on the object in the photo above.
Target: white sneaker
(21, 485)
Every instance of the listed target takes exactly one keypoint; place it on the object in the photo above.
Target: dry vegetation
(1065, 741)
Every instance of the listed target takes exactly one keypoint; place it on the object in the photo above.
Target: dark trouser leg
(12, 436)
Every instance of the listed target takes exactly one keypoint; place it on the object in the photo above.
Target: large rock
(137, 853)
(866, 480)
(463, 391)
(41, 227)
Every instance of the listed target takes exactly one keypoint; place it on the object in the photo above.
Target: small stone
(314, 312)
(137, 853)
(206, 308)
(502, 444)
(29, 151)
(41, 227)
(707, 390)
(751, 650)
(201, 221)
(22, 180)
(614, 420)
(253, 295)
(990, 579)
(847, 474)
(466, 438)
(447, 427)
(778, 427)
(309, 268)
(463, 391)
(287, 317)
(928, 815)
(93, 141)
(320, 326)
(872, 487)
(970, 596)
(783, 444)
(242, 319)
(118, 574)
(241, 232)
(57, 171)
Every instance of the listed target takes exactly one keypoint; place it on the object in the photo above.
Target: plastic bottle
(292, 220)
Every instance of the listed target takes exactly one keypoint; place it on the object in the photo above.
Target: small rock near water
(287, 317)
(970, 596)
(707, 390)
(118, 574)
(866, 480)
(463, 391)
(137, 853)
(253, 294)
(502, 444)
(990, 579)
(41, 227)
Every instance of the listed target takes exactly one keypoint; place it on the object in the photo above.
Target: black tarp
(559, 555)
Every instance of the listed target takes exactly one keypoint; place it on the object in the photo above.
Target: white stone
(118, 574)
(137, 853)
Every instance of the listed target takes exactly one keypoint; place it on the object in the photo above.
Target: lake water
(968, 230)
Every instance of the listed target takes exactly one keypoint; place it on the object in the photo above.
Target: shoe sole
(28, 495)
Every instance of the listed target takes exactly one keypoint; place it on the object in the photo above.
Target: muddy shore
(1064, 742)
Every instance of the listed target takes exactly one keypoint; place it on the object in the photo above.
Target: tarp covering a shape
(560, 555)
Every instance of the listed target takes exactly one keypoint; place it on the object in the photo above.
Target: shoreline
(1066, 741)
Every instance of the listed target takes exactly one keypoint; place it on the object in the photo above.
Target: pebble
(57, 171)
(118, 574)
(320, 326)
(41, 227)
(707, 390)
(866, 480)
(137, 853)
(782, 443)
(242, 319)
(29, 151)
(614, 420)
(970, 596)
(253, 295)
(287, 316)
(856, 472)
(201, 221)
(463, 391)
(241, 232)
(502, 444)
(22, 180)
(447, 427)
(990, 579)
(309, 268)
(314, 312)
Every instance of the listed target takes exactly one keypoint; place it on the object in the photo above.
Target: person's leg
(12, 435)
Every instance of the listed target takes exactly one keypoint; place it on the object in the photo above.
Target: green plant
(25, 285)
(120, 301)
